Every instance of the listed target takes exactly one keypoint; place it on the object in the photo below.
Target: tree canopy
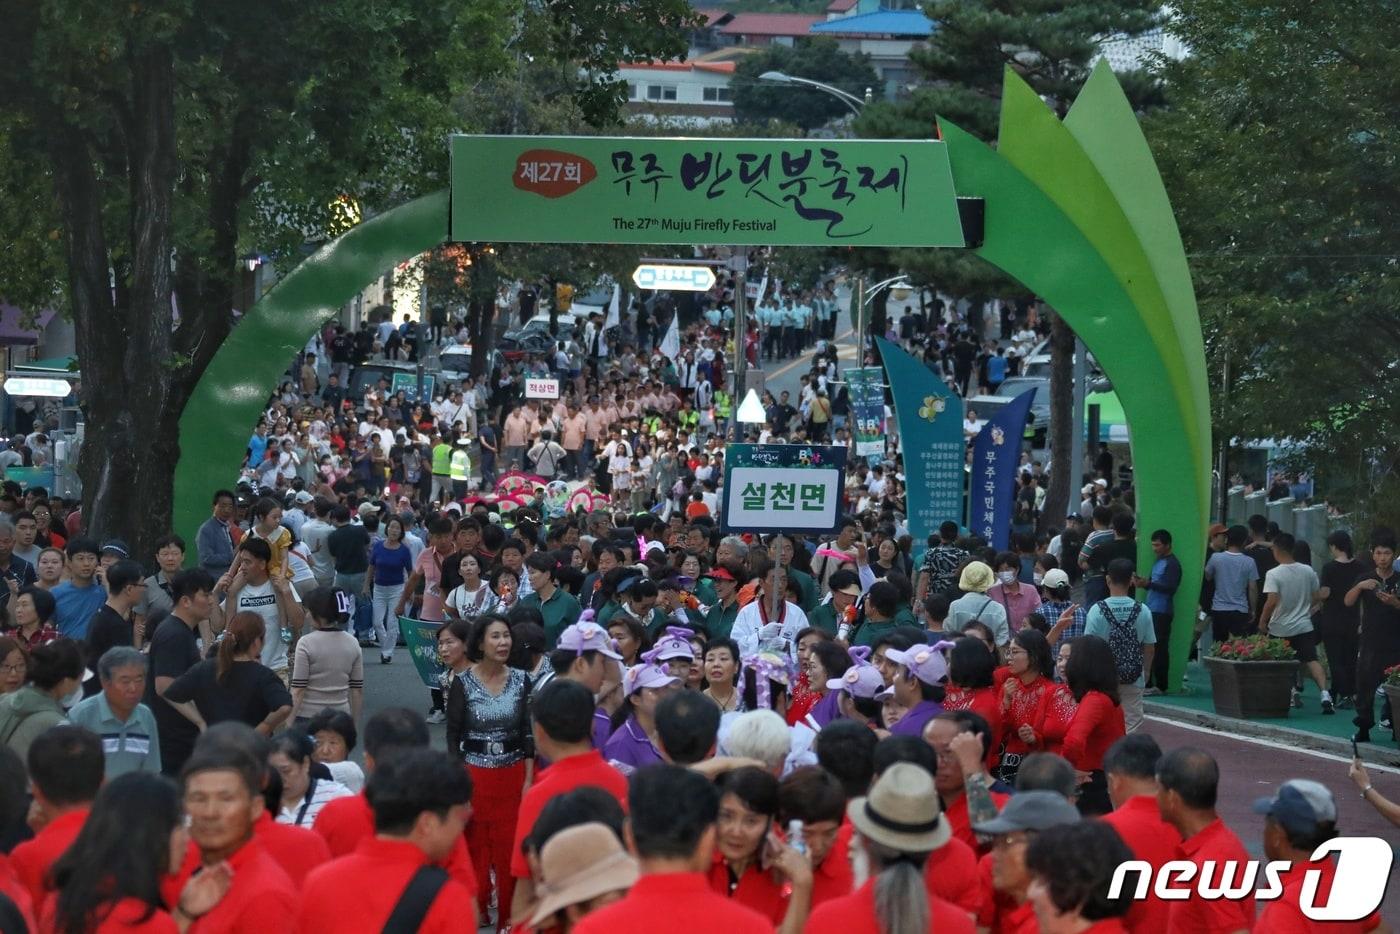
(1281, 157)
(817, 58)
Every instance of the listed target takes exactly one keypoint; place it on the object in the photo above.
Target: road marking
(1270, 744)
(841, 351)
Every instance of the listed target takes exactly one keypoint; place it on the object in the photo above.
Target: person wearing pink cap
(633, 743)
(857, 691)
(674, 652)
(918, 686)
(585, 654)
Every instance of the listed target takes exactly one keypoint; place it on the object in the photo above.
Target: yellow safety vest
(461, 465)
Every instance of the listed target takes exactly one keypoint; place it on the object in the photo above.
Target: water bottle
(795, 837)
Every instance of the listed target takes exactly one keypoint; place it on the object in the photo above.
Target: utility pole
(739, 262)
(1076, 444)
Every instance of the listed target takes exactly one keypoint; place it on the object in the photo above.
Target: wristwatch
(1367, 790)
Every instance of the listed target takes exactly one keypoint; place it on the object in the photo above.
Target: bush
(1256, 649)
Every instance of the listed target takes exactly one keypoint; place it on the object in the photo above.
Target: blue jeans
(360, 618)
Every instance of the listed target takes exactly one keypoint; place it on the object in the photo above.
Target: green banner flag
(421, 638)
(768, 192)
(930, 417)
(866, 388)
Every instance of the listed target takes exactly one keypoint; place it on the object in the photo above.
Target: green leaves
(819, 59)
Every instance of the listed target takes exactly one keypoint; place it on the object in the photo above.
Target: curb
(1371, 753)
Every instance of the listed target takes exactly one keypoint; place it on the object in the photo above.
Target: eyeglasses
(14, 669)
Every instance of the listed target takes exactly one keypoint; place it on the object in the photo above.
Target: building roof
(771, 24)
(840, 6)
(904, 23)
(726, 68)
(714, 16)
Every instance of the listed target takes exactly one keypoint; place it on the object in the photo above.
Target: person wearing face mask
(54, 685)
(1017, 599)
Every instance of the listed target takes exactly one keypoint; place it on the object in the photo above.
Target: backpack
(1123, 640)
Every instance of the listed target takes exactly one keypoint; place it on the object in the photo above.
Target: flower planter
(1251, 690)
(1392, 694)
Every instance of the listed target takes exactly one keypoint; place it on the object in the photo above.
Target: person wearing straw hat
(896, 827)
(582, 869)
(975, 606)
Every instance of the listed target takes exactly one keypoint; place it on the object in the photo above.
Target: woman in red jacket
(1057, 706)
(1029, 660)
(971, 672)
(1098, 720)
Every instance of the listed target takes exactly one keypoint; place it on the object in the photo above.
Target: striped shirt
(130, 746)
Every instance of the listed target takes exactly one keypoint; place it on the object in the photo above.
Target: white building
(691, 92)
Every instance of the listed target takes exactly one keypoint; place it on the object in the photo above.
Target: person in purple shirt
(674, 653)
(633, 743)
(585, 654)
(919, 685)
(857, 692)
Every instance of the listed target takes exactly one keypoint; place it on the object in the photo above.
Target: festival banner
(756, 192)
(866, 388)
(782, 487)
(420, 636)
(996, 457)
(930, 417)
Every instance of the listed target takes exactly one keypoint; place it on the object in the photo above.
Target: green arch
(1075, 210)
(230, 396)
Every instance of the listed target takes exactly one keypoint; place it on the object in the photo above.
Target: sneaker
(1151, 692)
(1297, 699)
(437, 716)
(1327, 707)
(1346, 703)
(1361, 736)
(1384, 722)
(385, 659)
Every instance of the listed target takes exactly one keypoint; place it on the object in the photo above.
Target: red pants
(490, 833)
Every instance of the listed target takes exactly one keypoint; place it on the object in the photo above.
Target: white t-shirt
(262, 600)
(1295, 585)
(313, 535)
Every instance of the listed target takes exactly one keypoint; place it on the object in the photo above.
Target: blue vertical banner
(996, 457)
(865, 387)
(930, 418)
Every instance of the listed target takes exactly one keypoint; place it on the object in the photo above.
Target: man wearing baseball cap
(918, 686)
(726, 577)
(896, 827)
(1300, 817)
(563, 715)
(1005, 907)
(845, 588)
(585, 654)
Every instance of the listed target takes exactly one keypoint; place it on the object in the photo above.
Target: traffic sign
(674, 277)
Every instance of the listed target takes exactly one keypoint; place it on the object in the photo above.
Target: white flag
(614, 310)
(671, 343)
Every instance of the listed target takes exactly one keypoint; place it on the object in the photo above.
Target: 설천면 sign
(569, 189)
(782, 487)
(541, 388)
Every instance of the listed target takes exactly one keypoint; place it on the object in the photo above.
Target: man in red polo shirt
(671, 831)
(1301, 817)
(65, 771)
(1131, 767)
(420, 801)
(346, 821)
(1027, 815)
(1187, 779)
(964, 786)
(223, 798)
(563, 727)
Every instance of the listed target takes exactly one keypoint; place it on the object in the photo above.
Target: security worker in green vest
(442, 469)
(724, 407)
(461, 469)
(688, 418)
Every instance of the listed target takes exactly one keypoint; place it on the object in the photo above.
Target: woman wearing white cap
(897, 826)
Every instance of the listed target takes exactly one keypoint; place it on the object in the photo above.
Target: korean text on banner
(541, 388)
(765, 192)
(421, 638)
(866, 387)
(930, 417)
(782, 487)
(996, 458)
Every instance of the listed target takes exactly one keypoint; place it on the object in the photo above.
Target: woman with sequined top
(488, 723)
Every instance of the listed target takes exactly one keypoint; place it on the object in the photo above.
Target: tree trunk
(1064, 476)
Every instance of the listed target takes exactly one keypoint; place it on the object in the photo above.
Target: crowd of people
(636, 717)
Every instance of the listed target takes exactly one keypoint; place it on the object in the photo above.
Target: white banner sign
(792, 498)
(541, 389)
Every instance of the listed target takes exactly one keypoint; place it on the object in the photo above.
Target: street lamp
(850, 100)
(863, 298)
